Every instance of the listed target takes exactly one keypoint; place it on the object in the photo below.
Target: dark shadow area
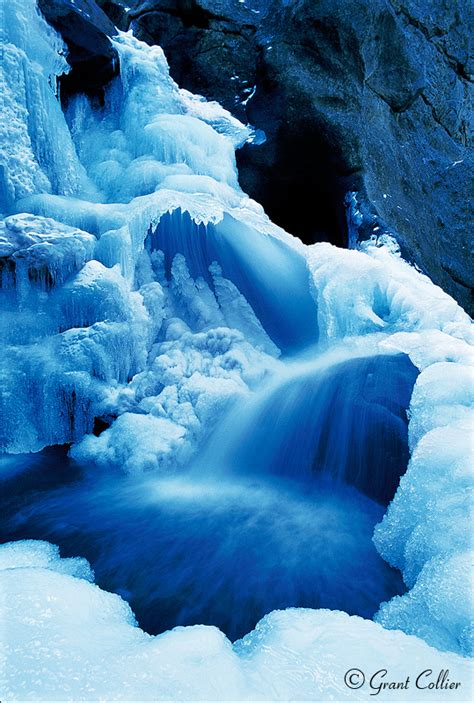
(296, 179)
(85, 29)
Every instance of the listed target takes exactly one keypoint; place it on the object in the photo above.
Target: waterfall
(211, 413)
(346, 418)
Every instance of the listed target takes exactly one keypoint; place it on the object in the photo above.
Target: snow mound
(426, 533)
(376, 291)
(66, 638)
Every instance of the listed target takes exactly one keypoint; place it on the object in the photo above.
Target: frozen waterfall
(212, 414)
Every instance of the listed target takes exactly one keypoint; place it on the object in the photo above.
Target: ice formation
(140, 286)
(86, 647)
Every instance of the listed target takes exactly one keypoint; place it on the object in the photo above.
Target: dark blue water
(346, 418)
(226, 545)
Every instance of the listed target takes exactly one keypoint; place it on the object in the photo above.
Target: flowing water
(265, 519)
(340, 414)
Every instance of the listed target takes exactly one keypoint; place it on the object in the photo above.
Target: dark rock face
(369, 97)
(85, 29)
(210, 44)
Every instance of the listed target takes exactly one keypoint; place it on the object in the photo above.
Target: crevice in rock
(190, 14)
(300, 184)
(436, 118)
(458, 68)
(396, 108)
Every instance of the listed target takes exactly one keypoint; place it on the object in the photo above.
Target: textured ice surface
(427, 530)
(88, 647)
(42, 555)
(39, 253)
(376, 291)
(37, 150)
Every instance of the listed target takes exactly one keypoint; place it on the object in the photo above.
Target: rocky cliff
(369, 97)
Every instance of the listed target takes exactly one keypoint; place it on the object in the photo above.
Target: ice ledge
(92, 649)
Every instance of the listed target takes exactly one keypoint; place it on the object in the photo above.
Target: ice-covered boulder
(38, 252)
(375, 290)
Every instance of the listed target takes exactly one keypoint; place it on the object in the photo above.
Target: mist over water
(268, 521)
(339, 414)
(224, 553)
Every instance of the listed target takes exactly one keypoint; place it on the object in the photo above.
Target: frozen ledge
(67, 639)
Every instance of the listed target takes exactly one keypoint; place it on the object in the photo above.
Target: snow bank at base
(427, 531)
(66, 638)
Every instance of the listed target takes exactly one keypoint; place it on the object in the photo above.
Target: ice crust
(38, 253)
(427, 531)
(140, 285)
(87, 647)
(37, 150)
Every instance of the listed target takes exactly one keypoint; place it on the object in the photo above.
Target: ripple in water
(221, 552)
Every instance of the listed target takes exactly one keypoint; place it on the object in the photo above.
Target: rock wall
(371, 97)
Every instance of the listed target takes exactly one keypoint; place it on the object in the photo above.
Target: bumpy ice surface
(86, 646)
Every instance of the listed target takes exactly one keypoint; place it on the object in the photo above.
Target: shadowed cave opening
(255, 528)
(300, 179)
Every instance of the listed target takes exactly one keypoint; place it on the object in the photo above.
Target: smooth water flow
(347, 419)
(224, 553)
(270, 290)
(274, 525)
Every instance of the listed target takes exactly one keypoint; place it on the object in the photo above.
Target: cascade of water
(347, 418)
(269, 273)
